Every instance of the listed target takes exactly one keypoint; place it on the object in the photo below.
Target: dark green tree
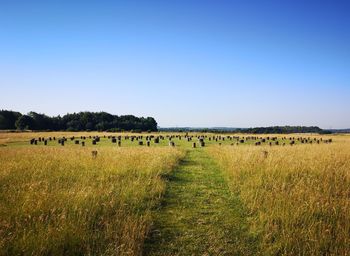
(101, 121)
(8, 119)
(25, 122)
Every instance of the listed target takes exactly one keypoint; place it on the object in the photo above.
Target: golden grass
(61, 201)
(298, 198)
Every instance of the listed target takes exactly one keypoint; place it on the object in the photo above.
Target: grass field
(61, 201)
(298, 197)
(227, 198)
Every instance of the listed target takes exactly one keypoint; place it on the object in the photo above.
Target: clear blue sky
(186, 63)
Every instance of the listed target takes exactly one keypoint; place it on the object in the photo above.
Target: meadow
(61, 201)
(234, 195)
(297, 198)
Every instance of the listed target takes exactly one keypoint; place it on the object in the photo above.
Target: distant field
(23, 138)
(252, 195)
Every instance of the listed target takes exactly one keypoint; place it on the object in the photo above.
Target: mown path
(199, 215)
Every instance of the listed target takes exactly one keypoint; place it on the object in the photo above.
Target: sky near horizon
(185, 63)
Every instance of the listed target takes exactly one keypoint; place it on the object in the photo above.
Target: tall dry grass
(297, 198)
(61, 201)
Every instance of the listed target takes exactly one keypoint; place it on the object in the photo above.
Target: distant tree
(25, 122)
(150, 124)
(41, 121)
(56, 123)
(74, 125)
(101, 121)
(102, 126)
(89, 126)
(8, 119)
(282, 129)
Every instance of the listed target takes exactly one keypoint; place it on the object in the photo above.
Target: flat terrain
(237, 195)
(199, 215)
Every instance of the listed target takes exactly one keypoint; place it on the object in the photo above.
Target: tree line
(256, 130)
(284, 130)
(82, 121)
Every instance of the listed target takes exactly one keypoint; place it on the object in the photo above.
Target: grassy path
(199, 215)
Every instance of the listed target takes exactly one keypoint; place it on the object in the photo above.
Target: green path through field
(199, 215)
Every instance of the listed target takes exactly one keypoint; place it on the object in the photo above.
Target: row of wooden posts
(201, 139)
